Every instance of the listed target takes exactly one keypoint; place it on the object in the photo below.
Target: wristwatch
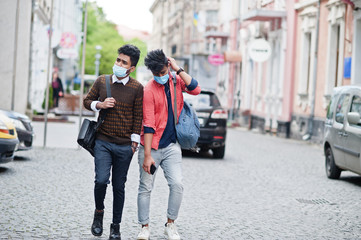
(180, 70)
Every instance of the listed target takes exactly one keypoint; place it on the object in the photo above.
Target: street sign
(259, 50)
(216, 59)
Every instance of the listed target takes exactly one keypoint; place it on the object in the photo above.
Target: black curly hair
(132, 51)
(155, 61)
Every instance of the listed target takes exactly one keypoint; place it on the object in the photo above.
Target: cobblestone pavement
(265, 188)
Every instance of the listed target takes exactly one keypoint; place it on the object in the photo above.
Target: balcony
(264, 10)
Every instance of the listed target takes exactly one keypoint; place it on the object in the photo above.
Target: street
(266, 187)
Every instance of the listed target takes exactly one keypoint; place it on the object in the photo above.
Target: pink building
(267, 41)
(293, 53)
(325, 31)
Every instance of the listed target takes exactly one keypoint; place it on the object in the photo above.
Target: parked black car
(213, 122)
(23, 128)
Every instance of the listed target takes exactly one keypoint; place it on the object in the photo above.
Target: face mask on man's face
(119, 71)
(162, 80)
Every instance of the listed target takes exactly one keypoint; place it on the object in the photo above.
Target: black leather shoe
(97, 226)
(114, 232)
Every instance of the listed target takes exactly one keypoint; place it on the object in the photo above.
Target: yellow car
(8, 139)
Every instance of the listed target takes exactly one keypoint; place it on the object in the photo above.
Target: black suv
(213, 122)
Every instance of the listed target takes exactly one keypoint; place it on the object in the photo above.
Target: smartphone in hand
(152, 169)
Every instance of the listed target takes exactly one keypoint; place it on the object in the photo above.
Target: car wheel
(219, 152)
(332, 170)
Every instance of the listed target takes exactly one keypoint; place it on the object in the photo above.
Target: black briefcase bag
(86, 136)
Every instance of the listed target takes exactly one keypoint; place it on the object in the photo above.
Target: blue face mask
(119, 71)
(162, 80)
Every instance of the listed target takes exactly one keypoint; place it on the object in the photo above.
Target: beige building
(15, 25)
(24, 26)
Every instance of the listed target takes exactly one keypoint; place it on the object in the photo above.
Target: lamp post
(85, 24)
(97, 58)
(49, 73)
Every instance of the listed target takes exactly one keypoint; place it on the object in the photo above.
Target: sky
(134, 14)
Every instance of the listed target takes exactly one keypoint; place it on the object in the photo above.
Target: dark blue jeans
(117, 158)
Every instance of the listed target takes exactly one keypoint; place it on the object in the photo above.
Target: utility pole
(83, 63)
(50, 76)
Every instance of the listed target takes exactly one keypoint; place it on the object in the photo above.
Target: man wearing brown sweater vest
(118, 136)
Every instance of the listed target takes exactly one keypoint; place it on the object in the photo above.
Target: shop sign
(259, 50)
(216, 59)
(67, 53)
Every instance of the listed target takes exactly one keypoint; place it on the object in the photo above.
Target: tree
(103, 32)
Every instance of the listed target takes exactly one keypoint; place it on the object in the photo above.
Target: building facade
(65, 43)
(181, 29)
(24, 59)
(15, 28)
(323, 61)
(267, 76)
(281, 58)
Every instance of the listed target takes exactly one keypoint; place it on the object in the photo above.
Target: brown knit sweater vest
(125, 118)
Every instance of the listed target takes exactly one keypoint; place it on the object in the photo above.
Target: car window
(331, 107)
(341, 107)
(356, 106)
(203, 100)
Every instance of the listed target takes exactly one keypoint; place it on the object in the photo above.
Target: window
(331, 107)
(211, 17)
(341, 107)
(305, 73)
(335, 46)
(356, 104)
(203, 100)
(356, 107)
(174, 49)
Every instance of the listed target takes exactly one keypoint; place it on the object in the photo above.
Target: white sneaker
(143, 234)
(171, 231)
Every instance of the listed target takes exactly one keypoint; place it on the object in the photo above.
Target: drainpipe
(308, 136)
(15, 55)
(31, 64)
(236, 65)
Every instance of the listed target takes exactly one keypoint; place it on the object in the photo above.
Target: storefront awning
(232, 56)
(263, 15)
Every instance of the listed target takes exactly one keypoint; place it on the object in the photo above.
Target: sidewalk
(59, 134)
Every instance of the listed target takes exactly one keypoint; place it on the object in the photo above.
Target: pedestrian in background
(118, 136)
(57, 86)
(159, 145)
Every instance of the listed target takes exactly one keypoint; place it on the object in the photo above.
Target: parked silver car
(342, 136)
